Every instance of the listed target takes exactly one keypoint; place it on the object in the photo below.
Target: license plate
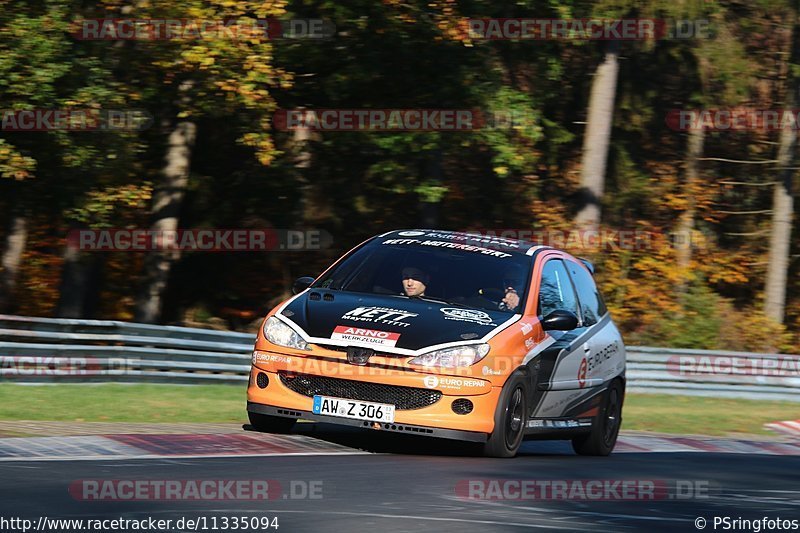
(378, 412)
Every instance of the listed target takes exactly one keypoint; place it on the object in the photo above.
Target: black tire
(270, 424)
(603, 436)
(510, 419)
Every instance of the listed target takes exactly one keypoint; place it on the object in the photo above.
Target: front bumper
(470, 436)
(437, 419)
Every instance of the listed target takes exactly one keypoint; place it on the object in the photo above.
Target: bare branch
(765, 184)
(764, 162)
(759, 212)
(753, 234)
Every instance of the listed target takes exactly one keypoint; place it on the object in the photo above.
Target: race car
(446, 334)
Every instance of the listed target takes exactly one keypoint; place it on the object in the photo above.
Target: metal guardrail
(722, 374)
(46, 350)
(37, 350)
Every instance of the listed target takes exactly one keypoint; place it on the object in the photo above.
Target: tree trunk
(597, 138)
(167, 199)
(781, 233)
(683, 241)
(782, 201)
(300, 148)
(12, 258)
(74, 279)
(430, 210)
(81, 281)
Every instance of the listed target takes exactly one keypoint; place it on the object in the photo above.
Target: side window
(555, 291)
(592, 306)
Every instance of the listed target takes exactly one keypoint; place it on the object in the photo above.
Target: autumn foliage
(396, 55)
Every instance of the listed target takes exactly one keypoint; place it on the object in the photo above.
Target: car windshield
(459, 277)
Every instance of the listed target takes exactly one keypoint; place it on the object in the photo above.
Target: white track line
(174, 457)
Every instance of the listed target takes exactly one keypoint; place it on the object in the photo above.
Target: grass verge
(123, 403)
(226, 403)
(703, 416)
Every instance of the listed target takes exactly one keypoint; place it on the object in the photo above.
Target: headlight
(457, 356)
(278, 332)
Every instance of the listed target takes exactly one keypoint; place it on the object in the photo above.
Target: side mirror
(560, 320)
(301, 284)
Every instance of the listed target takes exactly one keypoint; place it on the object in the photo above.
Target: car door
(604, 352)
(558, 366)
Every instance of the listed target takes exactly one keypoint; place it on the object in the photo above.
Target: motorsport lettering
(453, 245)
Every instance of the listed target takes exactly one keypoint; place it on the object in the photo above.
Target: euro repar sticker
(596, 360)
(265, 357)
(467, 315)
(372, 337)
(448, 383)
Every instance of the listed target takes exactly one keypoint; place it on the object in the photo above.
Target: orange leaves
(13, 164)
(40, 270)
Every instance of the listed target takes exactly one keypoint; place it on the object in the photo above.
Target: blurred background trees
(720, 270)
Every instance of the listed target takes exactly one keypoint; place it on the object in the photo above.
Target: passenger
(513, 283)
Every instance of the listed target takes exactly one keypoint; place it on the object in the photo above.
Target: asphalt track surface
(394, 483)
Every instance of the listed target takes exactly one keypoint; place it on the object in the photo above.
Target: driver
(415, 281)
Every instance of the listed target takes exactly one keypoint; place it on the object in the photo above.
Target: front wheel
(270, 424)
(603, 436)
(509, 420)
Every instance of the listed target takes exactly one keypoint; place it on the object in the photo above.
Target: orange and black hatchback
(450, 335)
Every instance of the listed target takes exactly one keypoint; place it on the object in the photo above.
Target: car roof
(503, 244)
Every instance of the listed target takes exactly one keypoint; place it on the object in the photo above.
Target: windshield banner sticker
(452, 245)
(365, 336)
(469, 238)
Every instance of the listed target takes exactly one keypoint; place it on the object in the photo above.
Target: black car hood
(387, 322)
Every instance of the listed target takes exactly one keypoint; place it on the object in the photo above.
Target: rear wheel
(603, 436)
(270, 424)
(509, 420)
